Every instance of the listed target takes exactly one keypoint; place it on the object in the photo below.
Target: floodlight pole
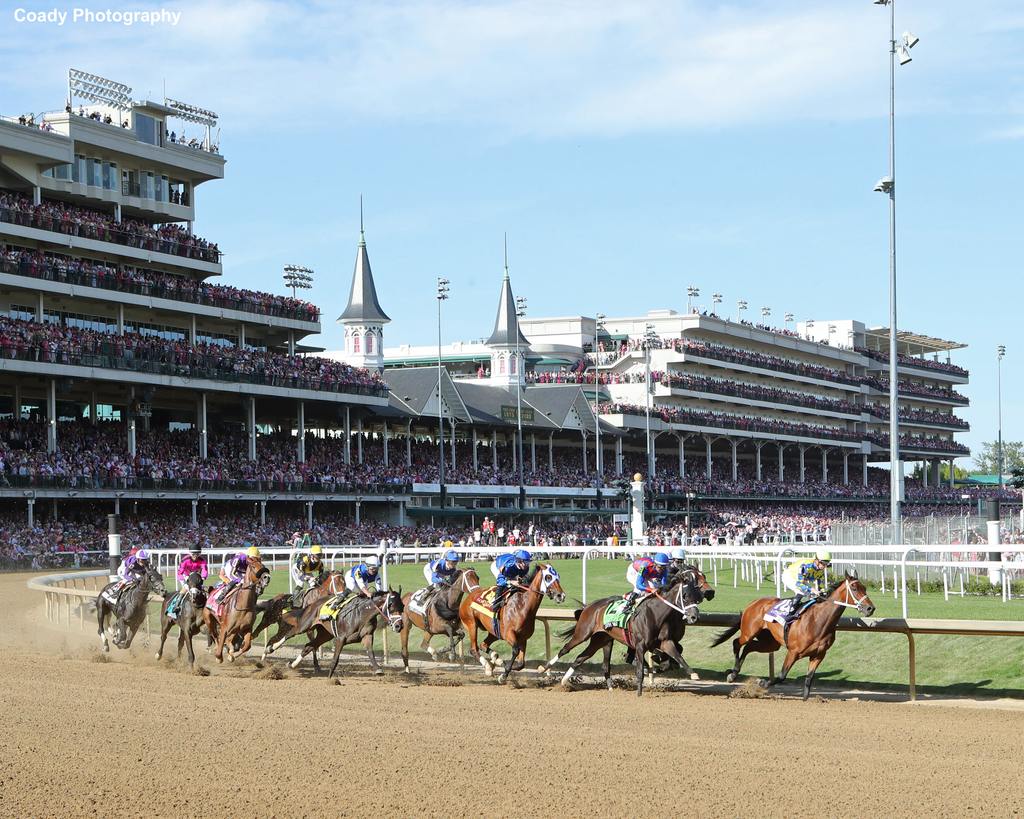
(442, 294)
(894, 429)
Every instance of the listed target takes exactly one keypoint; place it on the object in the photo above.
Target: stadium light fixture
(716, 299)
(442, 296)
(741, 305)
(520, 375)
(765, 312)
(884, 185)
(1000, 353)
(650, 337)
(598, 326)
(297, 277)
(85, 86)
(691, 293)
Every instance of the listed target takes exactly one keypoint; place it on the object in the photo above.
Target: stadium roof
(506, 323)
(924, 344)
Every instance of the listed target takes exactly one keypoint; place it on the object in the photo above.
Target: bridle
(466, 587)
(849, 590)
(682, 607)
(385, 612)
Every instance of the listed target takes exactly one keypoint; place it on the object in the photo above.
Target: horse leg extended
(246, 643)
(578, 638)
(474, 647)
(101, 616)
(185, 636)
(638, 664)
(516, 649)
(596, 642)
(607, 664)
(404, 640)
(338, 645)
(791, 657)
(490, 652)
(672, 651)
(811, 668)
(368, 645)
(165, 628)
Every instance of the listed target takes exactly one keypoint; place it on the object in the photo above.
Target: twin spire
(506, 324)
(363, 305)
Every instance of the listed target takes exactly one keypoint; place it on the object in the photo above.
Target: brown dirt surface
(126, 738)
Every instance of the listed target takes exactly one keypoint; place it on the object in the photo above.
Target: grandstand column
(251, 426)
(192, 332)
(359, 505)
(494, 450)
(92, 408)
(682, 455)
(952, 474)
(291, 342)
(16, 408)
(824, 465)
(453, 443)
(31, 512)
(408, 443)
(583, 436)
(195, 512)
(201, 423)
(707, 457)
(551, 452)
(864, 478)
(757, 457)
(300, 438)
(618, 456)
(385, 440)
(309, 514)
(803, 473)
(348, 436)
(117, 212)
(131, 434)
(241, 335)
(515, 466)
(359, 441)
(925, 465)
(846, 468)
(782, 461)
(263, 513)
(476, 465)
(51, 417)
(120, 319)
(40, 308)
(113, 544)
(533, 451)
(733, 444)
(37, 195)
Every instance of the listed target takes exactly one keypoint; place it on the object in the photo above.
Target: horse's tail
(567, 633)
(725, 635)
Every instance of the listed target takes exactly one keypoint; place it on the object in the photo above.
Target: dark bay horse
(130, 610)
(811, 635)
(189, 618)
(517, 619)
(644, 631)
(238, 612)
(674, 627)
(356, 622)
(442, 615)
(327, 584)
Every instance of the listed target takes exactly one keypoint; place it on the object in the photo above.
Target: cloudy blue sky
(629, 149)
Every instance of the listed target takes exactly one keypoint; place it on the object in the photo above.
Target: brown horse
(811, 635)
(644, 631)
(238, 612)
(442, 615)
(516, 620)
(329, 583)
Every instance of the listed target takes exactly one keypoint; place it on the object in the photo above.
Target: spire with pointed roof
(364, 319)
(507, 342)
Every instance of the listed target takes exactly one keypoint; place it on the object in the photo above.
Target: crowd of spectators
(929, 443)
(915, 388)
(73, 220)
(126, 278)
(914, 361)
(54, 343)
(924, 416)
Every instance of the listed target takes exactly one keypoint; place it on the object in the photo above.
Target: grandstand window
(355, 343)
(219, 339)
(369, 343)
(93, 170)
(148, 129)
(21, 312)
(110, 176)
(513, 365)
(156, 330)
(501, 365)
(78, 169)
(161, 189)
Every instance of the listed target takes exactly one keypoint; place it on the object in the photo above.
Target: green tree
(987, 460)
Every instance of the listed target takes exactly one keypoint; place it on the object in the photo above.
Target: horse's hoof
(378, 672)
(542, 669)
(694, 675)
(157, 655)
(764, 683)
(730, 677)
(407, 670)
(489, 670)
(609, 684)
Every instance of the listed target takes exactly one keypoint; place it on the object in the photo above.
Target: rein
(855, 604)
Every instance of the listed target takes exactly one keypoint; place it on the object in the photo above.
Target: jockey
(306, 569)
(651, 574)
(192, 562)
(442, 571)
(134, 567)
(365, 578)
(510, 569)
(678, 562)
(233, 570)
(806, 579)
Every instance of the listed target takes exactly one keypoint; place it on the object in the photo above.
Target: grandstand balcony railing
(754, 393)
(913, 361)
(155, 289)
(942, 419)
(105, 356)
(763, 361)
(242, 485)
(109, 232)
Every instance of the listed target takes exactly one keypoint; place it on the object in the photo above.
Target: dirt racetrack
(454, 745)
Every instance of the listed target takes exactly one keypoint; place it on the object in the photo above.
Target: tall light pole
(741, 305)
(691, 293)
(649, 338)
(887, 185)
(716, 299)
(1000, 352)
(520, 375)
(598, 323)
(809, 325)
(765, 312)
(442, 296)
(787, 319)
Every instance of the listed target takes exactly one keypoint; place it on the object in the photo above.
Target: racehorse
(442, 615)
(674, 627)
(189, 617)
(238, 612)
(645, 629)
(516, 619)
(327, 584)
(355, 622)
(811, 635)
(130, 610)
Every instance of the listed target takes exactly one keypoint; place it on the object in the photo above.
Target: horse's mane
(533, 573)
(835, 584)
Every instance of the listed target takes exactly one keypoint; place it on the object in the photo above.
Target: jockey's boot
(499, 598)
(297, 597)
